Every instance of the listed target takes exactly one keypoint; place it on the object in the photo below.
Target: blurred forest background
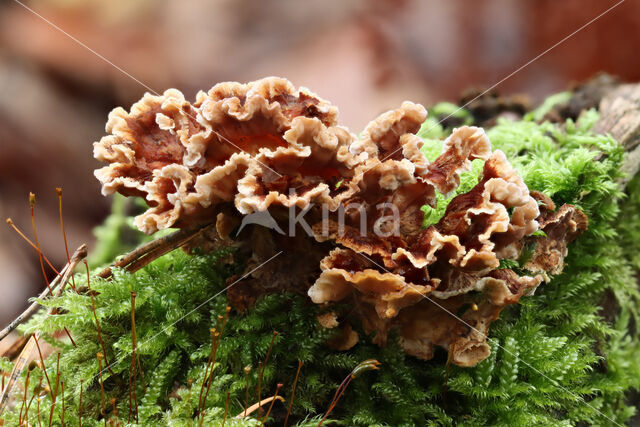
(363, 56)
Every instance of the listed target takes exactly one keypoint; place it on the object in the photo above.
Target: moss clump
(564, 356)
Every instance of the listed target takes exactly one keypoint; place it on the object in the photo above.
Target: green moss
(565, 356)
(572, 364)
(551, 101)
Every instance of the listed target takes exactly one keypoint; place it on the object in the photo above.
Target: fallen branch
(145, 254)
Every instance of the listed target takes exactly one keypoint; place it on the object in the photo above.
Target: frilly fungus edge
(266, 146)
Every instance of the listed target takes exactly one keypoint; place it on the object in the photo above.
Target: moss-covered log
(566, 355)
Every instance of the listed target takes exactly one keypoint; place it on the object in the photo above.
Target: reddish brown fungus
(267, 147)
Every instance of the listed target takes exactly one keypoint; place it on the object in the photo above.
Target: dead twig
(15, 348)
(145, 254)
(20, 364)
(132, 262)
(257, 405)
(66, 272)
(33, 307)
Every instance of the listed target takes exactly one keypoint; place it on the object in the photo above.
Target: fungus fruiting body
(352, 205)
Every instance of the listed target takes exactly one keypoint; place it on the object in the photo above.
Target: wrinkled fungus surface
(266, 146)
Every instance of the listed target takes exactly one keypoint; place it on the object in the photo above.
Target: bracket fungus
(265, 147)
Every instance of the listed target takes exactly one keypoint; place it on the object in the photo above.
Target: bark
(620, 117)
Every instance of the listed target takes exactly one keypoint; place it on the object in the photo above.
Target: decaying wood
(138, 258)
(620, 117)
(18, 367)
(12, 351)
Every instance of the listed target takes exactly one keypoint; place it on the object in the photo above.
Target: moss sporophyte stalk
(164, 342)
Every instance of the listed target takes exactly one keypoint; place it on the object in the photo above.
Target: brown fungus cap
(266, 146)
(186, 158)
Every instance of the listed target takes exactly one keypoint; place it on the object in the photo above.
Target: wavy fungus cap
(185, 158)
(245, 148)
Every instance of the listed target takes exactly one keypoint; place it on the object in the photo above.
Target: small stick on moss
(266, 359)
(255, 406)
(275, 396)
(14, 349)
(336, 397)
(57, 284)
(148, 252)
(104, 413)
(95, 316)
(64, 234)
(293, 393)
(79, 254)
(18, 367)
(226, 408)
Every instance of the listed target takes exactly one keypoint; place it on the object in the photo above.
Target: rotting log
(619, 111)
(620, 117)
